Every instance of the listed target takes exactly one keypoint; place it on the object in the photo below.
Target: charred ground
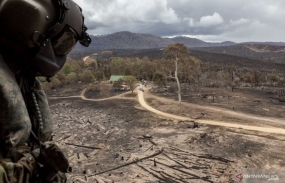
(142, 147)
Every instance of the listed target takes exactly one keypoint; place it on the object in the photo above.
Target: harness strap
(29, 162)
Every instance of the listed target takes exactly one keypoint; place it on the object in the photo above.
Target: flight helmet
(42, 32)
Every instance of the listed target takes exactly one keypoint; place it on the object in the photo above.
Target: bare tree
(177, 53)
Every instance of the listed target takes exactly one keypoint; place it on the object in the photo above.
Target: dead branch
(63, 138)
(144, 137)
(187, 173)
(89, 147)
(153, 174)
(168, 180)
(135, 161)
(176, 161)
(177, 149)
(149, 148)
(168, 175)
(86, 155)
(206, 156)
(189, 162)
(129, 156)
(209, 156)
(151, 141)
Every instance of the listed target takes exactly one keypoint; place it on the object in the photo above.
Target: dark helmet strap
(63, 7)
(39, 37)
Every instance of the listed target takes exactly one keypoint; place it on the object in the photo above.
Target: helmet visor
(64, 44)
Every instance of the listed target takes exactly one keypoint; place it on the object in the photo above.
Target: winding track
(121, 96)
(218, 123)
(209, 122)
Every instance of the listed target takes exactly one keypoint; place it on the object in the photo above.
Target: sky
(207, 20)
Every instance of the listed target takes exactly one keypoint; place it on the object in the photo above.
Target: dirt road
(217, 123)
(124, 133)
(209, 122)
(82, 96)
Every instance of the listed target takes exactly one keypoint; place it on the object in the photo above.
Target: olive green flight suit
(17, 161)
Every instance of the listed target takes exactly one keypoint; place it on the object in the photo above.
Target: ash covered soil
(119, 141)
(259, 101)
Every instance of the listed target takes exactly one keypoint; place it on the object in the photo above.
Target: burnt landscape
(230, 123)
(117, 140)
(152, 91)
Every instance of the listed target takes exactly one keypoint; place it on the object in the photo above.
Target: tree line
(172, 66)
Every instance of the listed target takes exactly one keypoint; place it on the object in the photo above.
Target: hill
(129, 40)
(264, 56)
(212, 58)
(265, 52)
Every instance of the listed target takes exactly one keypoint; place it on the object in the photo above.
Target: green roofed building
(115, 78)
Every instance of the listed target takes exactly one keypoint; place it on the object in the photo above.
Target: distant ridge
(267, 43)
(262, 51)
(139, 45)
(129, 40)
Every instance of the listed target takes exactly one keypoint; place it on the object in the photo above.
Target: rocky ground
(119, 141)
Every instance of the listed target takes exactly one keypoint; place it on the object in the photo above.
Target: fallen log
(88, 147)
(135, 161)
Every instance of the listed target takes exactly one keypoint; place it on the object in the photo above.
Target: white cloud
(207, 21)
(123, 11)
(209, 38)
(238, 22)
